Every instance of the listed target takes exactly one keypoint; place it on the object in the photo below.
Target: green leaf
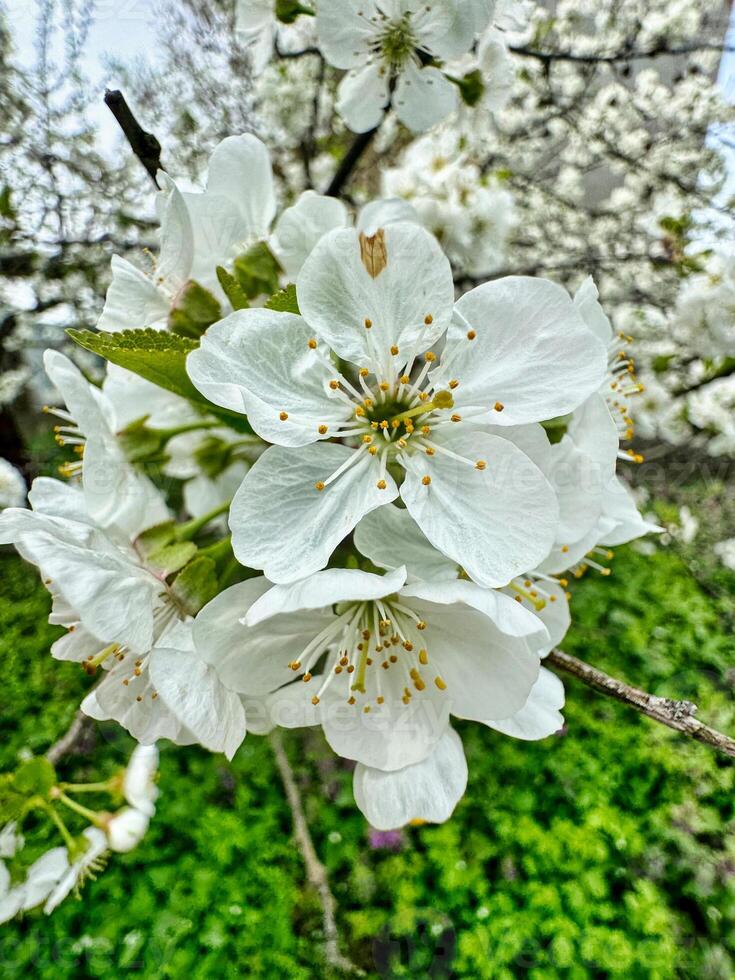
(172, 557)
(195, 310)
(159, 357)
(12, 803)
(195, 585)
(284, 301)
(471, 87)
(35, 777)
(155, 537)
(288, 10)
(232, 289)
(257, 271)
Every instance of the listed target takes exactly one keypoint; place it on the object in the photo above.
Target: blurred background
(606, 850)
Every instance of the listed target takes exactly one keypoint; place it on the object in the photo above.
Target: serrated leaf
(195, 585)
(232, 289)
(35, 777)
(195, 309)
(171, 558)
(284, 301)
(257, 271)
(160, 357)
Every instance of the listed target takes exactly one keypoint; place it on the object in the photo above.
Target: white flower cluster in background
(413, 480)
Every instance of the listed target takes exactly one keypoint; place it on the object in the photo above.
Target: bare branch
(315, 870)
(678, 715)
(70, 739)
(349, 162)
(144, 145)
(616, 57)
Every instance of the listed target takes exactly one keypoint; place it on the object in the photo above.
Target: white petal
(56, 499)
(344, 31)
(620, 507)
(202, 494)
(390, 537)
(132, 397)
(76, 646)
(259, 362)
(586, 301)
(532, 352)
(43, 876)
(324, 589)
(498, 70)
(486, 672)
(133, 300)
(252, 660)
(194, 692)
(541, 715)
(428, 790)
(240, 170)
(177, 240)
(221, 232)
(424, 96)
(87, 406)
(147, 720)
(496, 523)
(555, 616)
(301, 226)
(337, 295)
(139, 787)
(282, 524)
(593, 430)
(97, 845)
(503, 611)
(578, 484)
(126, 829)
(362, 97)
(385, 211)
(446, 29)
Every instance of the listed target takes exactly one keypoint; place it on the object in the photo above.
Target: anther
(368, 323)
(428, 319)
(306, 678)
(394, 350)
(498, 406)
(430, 356)
(430, 451)
(319, 485)
(453, 383)
(423, 657)
(381, 484)
(426, 480)
(440, 683)
(471, 334)
(456, 418)
(315, 700)
(312, 344)
(323, 429)
(283, 416)
(480, 464)
(334, 385)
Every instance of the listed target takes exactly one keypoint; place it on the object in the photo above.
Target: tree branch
(315, 870)
(70, 739)
(678, 715)
(349, 162)
(618, 56)
(143, 144)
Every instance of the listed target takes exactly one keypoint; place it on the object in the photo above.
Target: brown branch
(315, 870)
(349, 162)
(70, 739)
(618, 56)
(143, 144)
(678, 715)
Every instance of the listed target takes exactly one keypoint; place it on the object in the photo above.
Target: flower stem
(83, 811)
(185, 532)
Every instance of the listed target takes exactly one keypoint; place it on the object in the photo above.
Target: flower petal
(259, 362)
(282, 524)
(345, 32)
(541, 715)
(496, 523)
(586, 301)
(428, 790)
(177, 240)
(240, 170)
(385, 211)
(133, 300)
(423, 97)
(531, 352)
(362, 98)
(324, 589)
(390, 537)
(338, 296)
(485, 672)
(193, 691)
(620, 506)
(301, 226)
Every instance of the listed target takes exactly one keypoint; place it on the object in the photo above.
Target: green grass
(605, 851)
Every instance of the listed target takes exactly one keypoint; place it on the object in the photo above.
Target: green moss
(606, 851)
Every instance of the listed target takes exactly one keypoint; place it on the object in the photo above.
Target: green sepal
(471, 87)
(232, 289)
(156, 537)
(12, 803)
(284, 301)
(195, 585)
(195, 310)
(213, 455)
(257, 271)
(288, 10)
(139, 442)
(35, 777)
(171, 558)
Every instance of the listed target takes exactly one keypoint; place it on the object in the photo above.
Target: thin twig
(143, 144)
(678, 715)
(617, 56)
(349, 162)
(315, 870)
(70, 739)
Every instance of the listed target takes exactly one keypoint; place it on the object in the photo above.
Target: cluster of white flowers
(402, 527)
(60, 870)
(404, 54)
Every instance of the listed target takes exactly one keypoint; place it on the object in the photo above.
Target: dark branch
(70, 739)
(618, 56)
(349, 162)
(678, 715)
(144, 145)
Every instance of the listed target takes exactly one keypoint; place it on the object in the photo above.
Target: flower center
(396, 42)
(374, 648)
